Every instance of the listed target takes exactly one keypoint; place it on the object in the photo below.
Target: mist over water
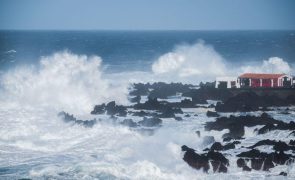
(35, 143)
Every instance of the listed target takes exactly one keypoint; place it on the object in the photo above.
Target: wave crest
(64, 81)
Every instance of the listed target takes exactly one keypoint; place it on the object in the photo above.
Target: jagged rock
(277, 146)
(129, 122)
(98, 109)
(217, 146)
(236, 124)
(279, 126)
(264, 161)
(150, 122)
(283, 174)
(135, 99)
(241, 163)
(212, 114)
(70, 118)
(111, 109)
(195, 160)
(249, 101)
(217, 160)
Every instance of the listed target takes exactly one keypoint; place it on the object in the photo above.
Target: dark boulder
(195, 160)
(283, 174)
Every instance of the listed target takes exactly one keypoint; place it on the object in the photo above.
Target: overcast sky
(147, 14)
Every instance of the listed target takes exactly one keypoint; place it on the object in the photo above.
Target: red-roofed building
(265, 80)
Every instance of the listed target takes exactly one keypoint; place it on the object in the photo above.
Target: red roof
(261, 76)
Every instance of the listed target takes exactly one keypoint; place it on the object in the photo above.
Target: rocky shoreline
(150, 112)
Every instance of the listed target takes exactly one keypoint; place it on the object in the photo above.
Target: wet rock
(249, 101)
(129, 122)
(246, 168)
(70, 118)
(150, 122)
(187, 115)
(111, 109)
(236, 124)
(277, 146)
(283, 173)
(277, 126)
(218, 161)
(195, 160)
(141, 114)
(98, 109)
(264, 161)
(135, 99)
(212, 114)
(204, 93)
(178, 118)
(198, 133)
(217, 146)
(241, 163)
(256, 164)
(292, 142)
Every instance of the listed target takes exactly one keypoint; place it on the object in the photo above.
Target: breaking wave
(201, 61)
(64, 81)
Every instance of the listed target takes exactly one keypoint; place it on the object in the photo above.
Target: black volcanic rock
(217, 146)
(236, 124)
(212, 114)
(70, 118)
(204, 93)
(129, 122)
(197, 161)
(264, 161)
(111, 109)
(249, 101)
(278, 126)
(150, 122)
(135, 99)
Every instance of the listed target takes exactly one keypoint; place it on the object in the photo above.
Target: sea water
(45, 72)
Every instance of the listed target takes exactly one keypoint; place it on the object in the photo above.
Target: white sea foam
(200, 62)
(64, 81)
(272, 65)
(185, 61)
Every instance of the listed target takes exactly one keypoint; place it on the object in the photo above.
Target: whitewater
(35, 143)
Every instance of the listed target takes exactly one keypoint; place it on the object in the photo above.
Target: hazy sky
(147, 14)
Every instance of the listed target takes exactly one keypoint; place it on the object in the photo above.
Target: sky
(147, 14)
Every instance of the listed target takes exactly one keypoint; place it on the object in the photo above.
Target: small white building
(227, 82)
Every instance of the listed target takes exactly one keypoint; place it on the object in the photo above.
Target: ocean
(45, 72)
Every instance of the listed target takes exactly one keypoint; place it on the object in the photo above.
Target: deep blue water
(133, 50)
